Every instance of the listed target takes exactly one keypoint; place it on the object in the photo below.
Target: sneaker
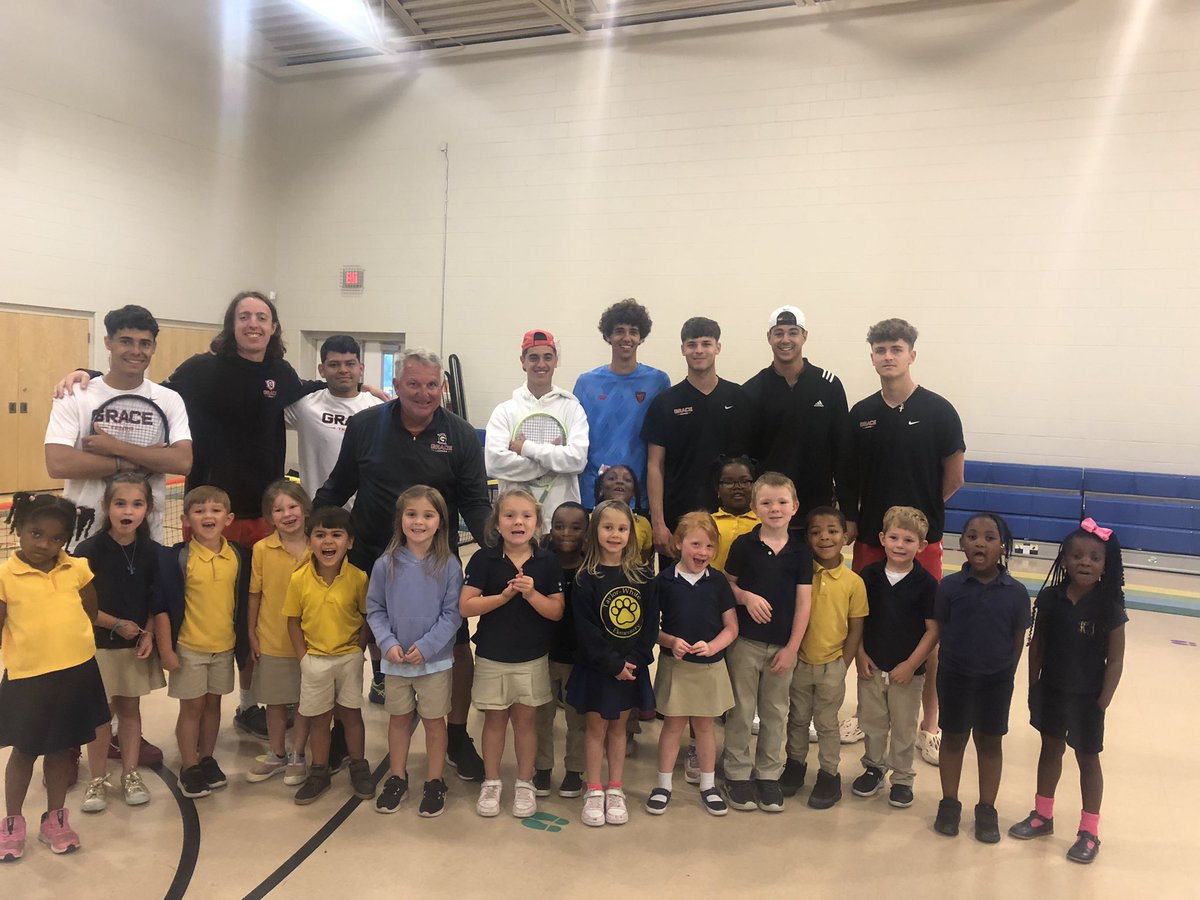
(713, 802)
(849, 731)
(488, 804)
(56, 832)
(314, 785)
(541, 782)
(615, 810)
(265, 767)
(1032, 826)
(376, 693)
(134, 789)
(754, 724)
(930, 745)
(572, 785)
(948, 816)
(12, 838)
(812, 733)
(213, 776)
(1085, 849)
(741, 794)
(656, 803)
(361, 780)
(253, 721)
(826, 792)
(395, 789)
(793, 776)
(593, 808)
(465, 760)
(691, 765)
(192, 783)
(987, 824)
(95, 795)
(900, 796)
(770, 794)
(296, 769)
(868, 783)
(433, 799)
(524, 802)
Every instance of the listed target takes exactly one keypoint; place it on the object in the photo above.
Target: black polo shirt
(562, 640)
(760, 570)
(898, 613)
(693, 611)
(980, 621)
(514, 632)
(897, 455)
(121, 593)
(800, 430)
(1074, 638)
(695, 429)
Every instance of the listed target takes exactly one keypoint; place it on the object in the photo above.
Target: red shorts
(246, 532)
(930, 557)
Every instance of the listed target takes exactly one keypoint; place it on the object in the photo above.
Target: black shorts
(977, 703)
(1074, 718)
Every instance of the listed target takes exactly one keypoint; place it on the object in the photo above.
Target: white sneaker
(812, 733)
(95, 795)
(930, 745)
(134, 789)
(849, 730)
(488, 804)
(524, 800)
(615, 811)
(754, 725)
(691, 765)
(593, 808)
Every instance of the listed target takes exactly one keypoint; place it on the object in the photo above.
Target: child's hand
(169, 660)
(680, 648)
(866, 666)
(522, 584)
(700, 648)
(662, 539)
(127, 630)
(145, 645)
(784, 661)
(413, 657)
(394, 655)
(626, 674)
(902, 674)
(758, 608)
(255, 649)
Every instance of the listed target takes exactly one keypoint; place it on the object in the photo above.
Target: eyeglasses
(735, 482)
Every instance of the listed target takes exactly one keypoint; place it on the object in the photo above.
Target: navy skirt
(53, 712)
(590, 691)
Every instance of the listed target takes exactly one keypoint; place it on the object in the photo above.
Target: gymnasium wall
(1019, 178)
(135, 164)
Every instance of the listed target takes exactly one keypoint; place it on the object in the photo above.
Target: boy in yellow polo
(835, 628)
(326, 609)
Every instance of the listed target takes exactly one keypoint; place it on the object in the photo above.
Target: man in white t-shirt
(319, 419)
(86, 459)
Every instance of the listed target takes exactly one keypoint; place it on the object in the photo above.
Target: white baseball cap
(787, 315)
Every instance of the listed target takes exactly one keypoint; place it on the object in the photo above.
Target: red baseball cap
(538, 338)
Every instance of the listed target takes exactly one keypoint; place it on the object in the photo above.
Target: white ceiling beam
(551, 9)
(406, 20)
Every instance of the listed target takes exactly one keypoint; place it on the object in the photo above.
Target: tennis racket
(133, 419)
(542, 428)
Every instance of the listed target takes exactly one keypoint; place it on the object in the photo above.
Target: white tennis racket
(542, 428)
(133, 419)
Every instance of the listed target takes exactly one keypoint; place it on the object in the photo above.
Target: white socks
(664, 780)
(247, 699)
(708, 780)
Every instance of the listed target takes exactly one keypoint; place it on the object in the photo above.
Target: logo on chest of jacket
(621, 611)
(329, 418)
(683, 410)
(440, 445)
(818, 405)
(867, 423)
(640, 396)
(269, 391)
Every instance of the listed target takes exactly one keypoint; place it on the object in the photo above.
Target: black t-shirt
(514, 632)
(695, 429)
(979, 621)
(693, 611)
(562, 641)
(1074, 638)
(760, 570)
(122, 593)
(897, 455)
(235, 412)
(616, 621)
(898, 613)
(800, 431)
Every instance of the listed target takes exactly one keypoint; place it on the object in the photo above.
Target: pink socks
(1044, 807)
(1089, 822)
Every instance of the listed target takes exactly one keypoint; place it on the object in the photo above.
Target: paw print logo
(621, 612)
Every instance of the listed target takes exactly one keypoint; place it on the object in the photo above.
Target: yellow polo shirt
(209, 598)
(45, 626)
(271, 568)
(731, 526)
(331, 615)
(838, 595)
(644, 532)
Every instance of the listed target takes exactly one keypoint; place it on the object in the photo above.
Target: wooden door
(175, 344)
(10, 421)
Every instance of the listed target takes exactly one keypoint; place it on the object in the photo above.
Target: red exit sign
(352, 278)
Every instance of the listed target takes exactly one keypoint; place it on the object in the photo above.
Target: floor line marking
(189, 851)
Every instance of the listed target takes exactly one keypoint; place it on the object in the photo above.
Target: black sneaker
(339, 753)
(433, 798)
(713, 802)
(826, 792)
(192, 783)
(1085, 849)
(314, 785)
(657, 802)
(900, 796)
(948, 815)
(770, 794)
(572, 785)
(741, 794)
(376, 693)
(360, 779)
(541, 782)
(987, 824)
(465, 760)
(253, 721)
(868, 783)
(395, 789)
(213, 776)
(1032, 826)
(792, 779)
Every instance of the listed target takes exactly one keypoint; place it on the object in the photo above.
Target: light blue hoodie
(406, 606)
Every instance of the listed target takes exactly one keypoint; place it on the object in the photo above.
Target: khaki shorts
(124, 675)
(428, 694)
(200, 674)
(499, 685)
(326, 680)
(276, 680)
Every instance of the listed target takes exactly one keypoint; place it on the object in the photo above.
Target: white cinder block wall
(1019, 179)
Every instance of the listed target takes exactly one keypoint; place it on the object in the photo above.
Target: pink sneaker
(12, 838)
(56, 832)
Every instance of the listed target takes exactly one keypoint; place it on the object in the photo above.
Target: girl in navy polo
(1075, 660)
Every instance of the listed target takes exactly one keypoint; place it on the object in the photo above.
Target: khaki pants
(816, 695)
(884, 707)
(574, 760)
(755, 686)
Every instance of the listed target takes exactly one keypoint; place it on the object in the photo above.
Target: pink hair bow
(1089, 525)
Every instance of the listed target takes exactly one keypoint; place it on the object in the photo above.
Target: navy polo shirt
(773, 576)
(693, 611)
(898, 613)
(121, 593)
(1074, 638)
(980, 621)
(514, 632)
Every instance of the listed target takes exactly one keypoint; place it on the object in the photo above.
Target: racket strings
(543, 429)
(133, 421)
